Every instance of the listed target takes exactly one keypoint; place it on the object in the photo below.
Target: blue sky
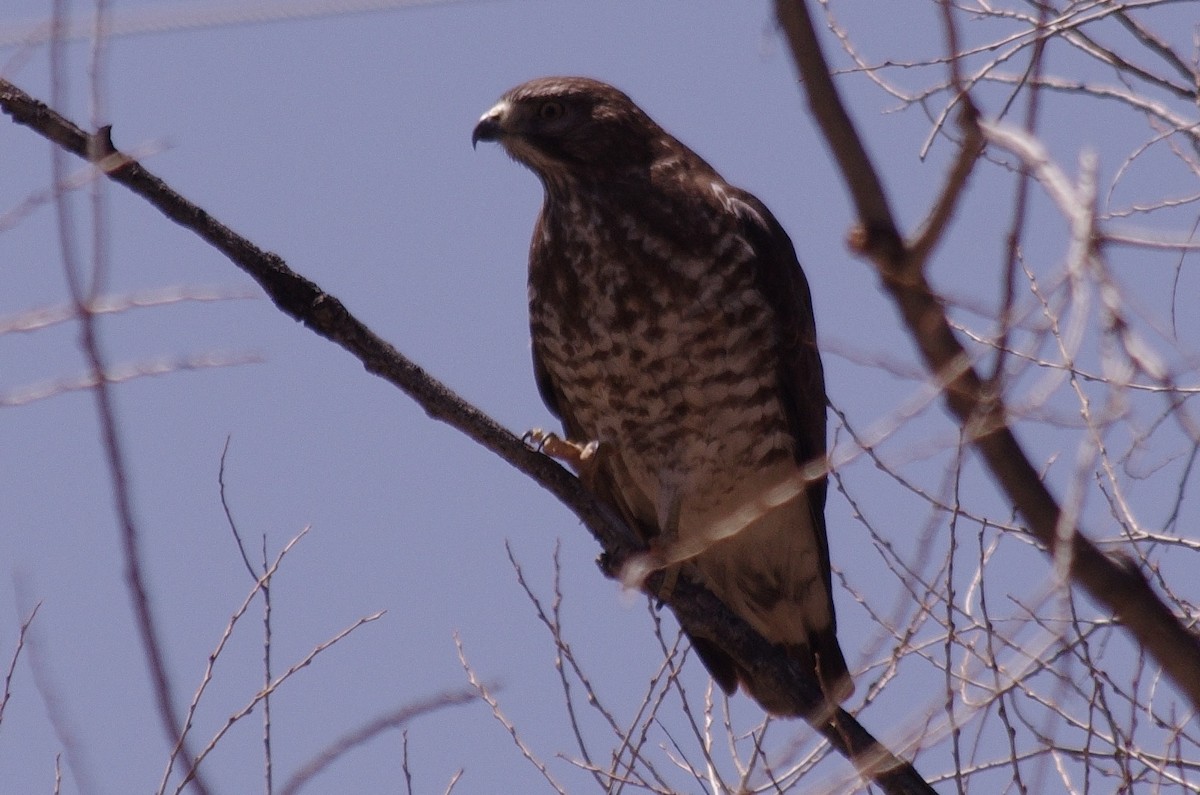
(343, 144)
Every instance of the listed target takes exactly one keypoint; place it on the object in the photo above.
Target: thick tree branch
(875, 215)
(699, 612)
(1113, 582)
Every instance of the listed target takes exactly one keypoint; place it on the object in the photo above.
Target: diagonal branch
(1114, 582)
(699, 612)
(306, 302)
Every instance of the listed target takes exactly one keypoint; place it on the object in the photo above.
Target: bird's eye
(549, 111)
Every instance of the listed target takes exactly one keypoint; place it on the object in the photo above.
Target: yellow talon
(565, 450)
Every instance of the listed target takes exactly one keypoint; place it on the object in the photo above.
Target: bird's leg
(582, 457)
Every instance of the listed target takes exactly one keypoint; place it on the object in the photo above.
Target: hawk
(673, 335)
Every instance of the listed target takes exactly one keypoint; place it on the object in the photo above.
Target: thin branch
(12, 663)
(237, 537)
(1164, 50)
(120, 373)
(271, 688)
(939, 217)
(263, 582)
(1016, 228)
(44, 317)
(268, 756)
(56, 712)
(206, 678)
(453, 781)
(393, 720)
(563, 652)
(404, 768)
(484, 692)
(935, 224)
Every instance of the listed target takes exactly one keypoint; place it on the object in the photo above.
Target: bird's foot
(573, 453)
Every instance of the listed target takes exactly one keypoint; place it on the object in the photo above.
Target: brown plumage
(673, 326)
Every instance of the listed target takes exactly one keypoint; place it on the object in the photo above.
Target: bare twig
(220, 647)
(268, 757)
(934, 226)
(1158, 46)
(120, 373)
(75, 753)
(271, 688)
(1017, 227)
(552, 622)
(237, 537)
(404, 768)
(263, 582)
(485, 692)
(16, 655)
(36, 319)
(393, 720)
(453, 781)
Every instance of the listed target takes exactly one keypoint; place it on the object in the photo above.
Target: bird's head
(570, 128)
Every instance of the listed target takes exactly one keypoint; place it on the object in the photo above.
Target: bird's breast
(670, 361)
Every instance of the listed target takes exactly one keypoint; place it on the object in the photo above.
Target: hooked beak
(490, 126)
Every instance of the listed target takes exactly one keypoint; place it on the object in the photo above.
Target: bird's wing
(801, 376)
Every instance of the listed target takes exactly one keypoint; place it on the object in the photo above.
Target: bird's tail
(775, 574)
(824, 658)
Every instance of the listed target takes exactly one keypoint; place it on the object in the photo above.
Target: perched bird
(673, 335)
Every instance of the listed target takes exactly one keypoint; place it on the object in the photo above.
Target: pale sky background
(343, 144)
